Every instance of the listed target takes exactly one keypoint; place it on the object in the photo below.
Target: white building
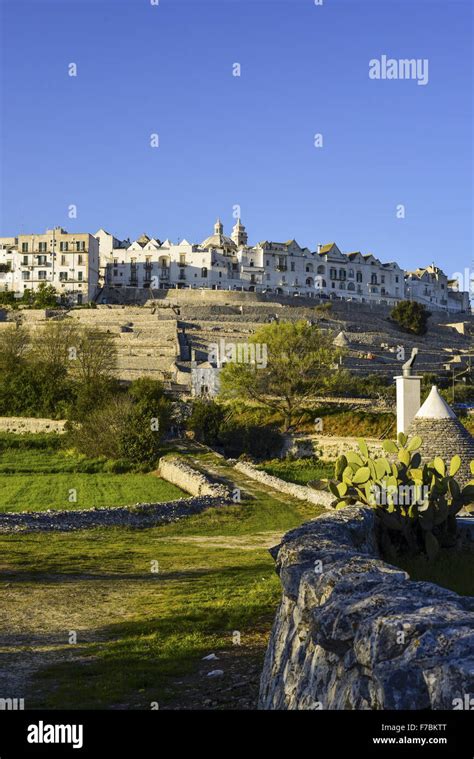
(68, 262)
(229, 263)
(78, 265)
(432, 287)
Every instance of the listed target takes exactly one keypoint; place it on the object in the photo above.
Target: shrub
(411, 316)
(260, 442)
(206, 420)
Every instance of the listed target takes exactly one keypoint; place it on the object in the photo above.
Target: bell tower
(239, 235)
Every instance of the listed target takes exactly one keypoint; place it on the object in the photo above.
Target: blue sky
(248, 140)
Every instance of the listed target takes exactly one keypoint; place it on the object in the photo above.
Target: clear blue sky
(245, 140)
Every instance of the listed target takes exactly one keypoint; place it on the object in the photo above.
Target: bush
(215, 426)
(206, 420)
(127, 428)
(260, 442)
(411, 316)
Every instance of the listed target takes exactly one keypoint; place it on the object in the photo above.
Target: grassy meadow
(139, 632)
(37, 474)
(300, 471)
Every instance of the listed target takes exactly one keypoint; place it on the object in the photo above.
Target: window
(359, 276)
(396, 279)
(42, 275)
(63, 247)
(351, 274)
(42, 247)
(63, 260)
(63, 276)
(80, 276)
(382, 279)
(342, 273)
(24, 247)
(25, 274)
(332, 274)
(268, 275)
(41, 260)
(292, 266)
(79, 260)
(373, 279)
(204, 272)
(80, 245)
(25, 261)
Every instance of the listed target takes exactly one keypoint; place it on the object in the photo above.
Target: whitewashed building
(79, 265)
(431, 286)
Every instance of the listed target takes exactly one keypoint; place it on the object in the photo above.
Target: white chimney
(408, 394)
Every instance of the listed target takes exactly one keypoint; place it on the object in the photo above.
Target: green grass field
(38, 478)
(301, 471)
(140, 632)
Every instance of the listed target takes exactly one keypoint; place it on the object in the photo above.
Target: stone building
(443, 434)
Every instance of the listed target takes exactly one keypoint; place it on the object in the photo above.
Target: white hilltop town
(86, 267)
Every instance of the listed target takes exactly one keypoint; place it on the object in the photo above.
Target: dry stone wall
(302, 492)
(353, 632)
(24, 424)
(179, 473)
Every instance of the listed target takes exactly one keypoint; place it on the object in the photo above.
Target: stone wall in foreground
(353, 632)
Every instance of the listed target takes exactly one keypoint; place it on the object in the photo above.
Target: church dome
(219, 239)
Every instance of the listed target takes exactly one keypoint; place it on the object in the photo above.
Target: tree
(147, 422)
(14, 346)
(411, 316)
(93, 360)
(45, 296)
(100, 433)
(206, 420)
(126, 426)
(299, 357)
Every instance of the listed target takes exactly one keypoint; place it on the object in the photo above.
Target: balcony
(282, 267)
(182, 263)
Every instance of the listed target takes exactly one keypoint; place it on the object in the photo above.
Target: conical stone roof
(341, 340)
(442, 434)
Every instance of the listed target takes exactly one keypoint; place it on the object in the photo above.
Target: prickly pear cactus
(420, 502)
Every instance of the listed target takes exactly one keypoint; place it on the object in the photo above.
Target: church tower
(218, 228)
(239, 235)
